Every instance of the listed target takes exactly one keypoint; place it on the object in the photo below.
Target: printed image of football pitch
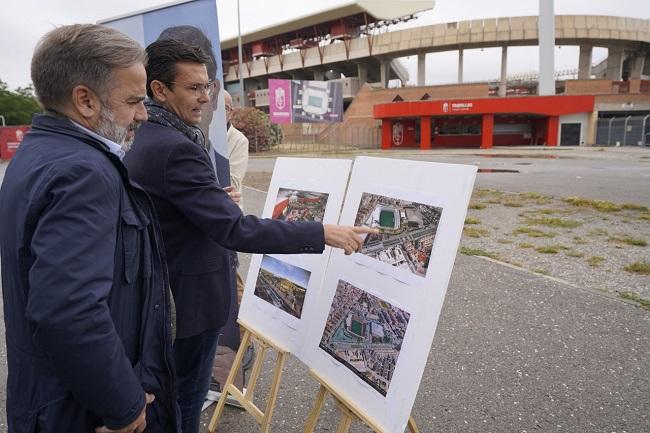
(406, 235)
(365, 333)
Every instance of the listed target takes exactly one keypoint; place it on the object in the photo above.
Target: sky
(23, 22)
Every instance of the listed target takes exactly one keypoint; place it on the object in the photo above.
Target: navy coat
(86, 298)
(200, 224)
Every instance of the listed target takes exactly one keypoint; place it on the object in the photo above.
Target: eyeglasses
(198, 89)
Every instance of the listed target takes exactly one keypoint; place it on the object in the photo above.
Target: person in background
(231, 332)
(86, 301)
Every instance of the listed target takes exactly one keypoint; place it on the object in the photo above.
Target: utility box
(10, 139)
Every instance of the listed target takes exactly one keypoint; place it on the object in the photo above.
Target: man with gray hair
(86, 294)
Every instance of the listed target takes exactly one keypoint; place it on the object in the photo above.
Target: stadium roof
(379, 9)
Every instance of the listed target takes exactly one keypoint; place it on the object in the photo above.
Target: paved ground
(514, 351)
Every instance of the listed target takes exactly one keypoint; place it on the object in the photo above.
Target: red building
(482, 122)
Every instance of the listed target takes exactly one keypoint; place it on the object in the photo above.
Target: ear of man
(85, 107)
(159, 90)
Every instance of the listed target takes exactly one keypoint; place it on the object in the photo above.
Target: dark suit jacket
(200, 223)
(85, 290)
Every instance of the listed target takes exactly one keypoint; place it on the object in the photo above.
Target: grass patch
(478, 252)
(474, 232)
(598, 232)
(504, 241)
(526, 245)
(552, 222)
(573, 253)
(634, 206)
(629, 240)
(548, 211)
(470, 220)
(482, 193)
(641, 268)
(630, 296)
(510, 203)
(549, 249)
(477, 206)
(599, 205)
(533, 233)
(644, 217)
(579, 241)
(595, 261)
(541, 271)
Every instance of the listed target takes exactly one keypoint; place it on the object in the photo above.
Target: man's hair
(80, 54)
(195, 37)
(163, 56)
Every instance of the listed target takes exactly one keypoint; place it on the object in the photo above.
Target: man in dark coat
(86, 293)
(200, 222)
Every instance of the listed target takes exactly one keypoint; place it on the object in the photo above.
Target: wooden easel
(246, 398)
(349, 411)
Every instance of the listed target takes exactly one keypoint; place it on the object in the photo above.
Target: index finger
(363, 230)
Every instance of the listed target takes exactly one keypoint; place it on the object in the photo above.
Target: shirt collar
(113, 147)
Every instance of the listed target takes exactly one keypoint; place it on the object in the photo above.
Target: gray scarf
(162, 116)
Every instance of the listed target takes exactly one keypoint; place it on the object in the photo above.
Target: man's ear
(158, 90)
(86, 102)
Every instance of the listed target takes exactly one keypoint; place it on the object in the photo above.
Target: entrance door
(570, 134)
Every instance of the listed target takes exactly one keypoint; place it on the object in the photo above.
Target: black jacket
(200, 224)
(85, 288)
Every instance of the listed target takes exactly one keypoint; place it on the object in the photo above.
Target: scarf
(162, 116)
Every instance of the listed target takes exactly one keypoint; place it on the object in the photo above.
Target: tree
(18, 106)
(256, 126)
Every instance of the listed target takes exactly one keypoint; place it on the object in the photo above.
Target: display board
(378, 309)
(194, 22)
(365, 322)
(281, 290)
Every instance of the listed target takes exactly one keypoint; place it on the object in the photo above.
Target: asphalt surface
(616, 174)
(513, 351)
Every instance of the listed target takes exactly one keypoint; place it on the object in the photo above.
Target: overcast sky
(23, 22)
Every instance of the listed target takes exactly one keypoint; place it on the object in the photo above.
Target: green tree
(18, 106)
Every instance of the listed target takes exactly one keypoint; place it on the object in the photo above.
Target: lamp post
(242, 101)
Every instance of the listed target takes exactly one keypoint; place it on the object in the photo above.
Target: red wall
(408, 133)
(10, 139)
(541, 105)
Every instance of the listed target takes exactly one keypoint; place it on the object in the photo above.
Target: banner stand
(246, 398)
(349, 411)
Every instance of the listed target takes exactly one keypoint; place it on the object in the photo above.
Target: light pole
(242, 101)
(546, 36)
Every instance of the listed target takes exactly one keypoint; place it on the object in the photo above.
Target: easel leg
(273, 393)
(255, 372)
(212, 427)
(413, 428)
(312, 419)
(346, 419)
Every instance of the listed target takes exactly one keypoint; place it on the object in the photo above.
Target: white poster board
(376, 316)
(281, 291)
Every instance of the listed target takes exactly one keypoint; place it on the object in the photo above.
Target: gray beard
(107, 128)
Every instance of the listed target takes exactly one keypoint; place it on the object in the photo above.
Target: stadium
(361, 43)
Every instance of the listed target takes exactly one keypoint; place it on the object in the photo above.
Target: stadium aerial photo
(294, 205)
(407, 231)
(365, 334)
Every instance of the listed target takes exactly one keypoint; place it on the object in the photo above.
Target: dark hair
(163, 55)
(195, 37)
(80, 54)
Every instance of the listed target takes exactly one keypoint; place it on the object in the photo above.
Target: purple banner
(280, 101)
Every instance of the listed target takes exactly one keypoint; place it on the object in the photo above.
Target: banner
(194, 22)
(295, 101)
